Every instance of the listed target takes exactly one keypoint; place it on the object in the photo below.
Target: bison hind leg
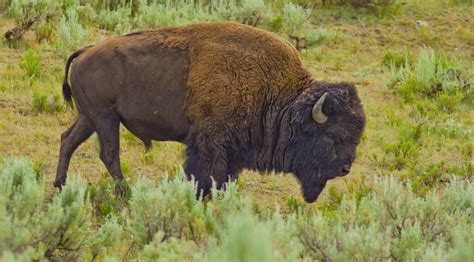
(70, 140)
(107, 128)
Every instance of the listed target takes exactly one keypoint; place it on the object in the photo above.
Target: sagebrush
(165, 221)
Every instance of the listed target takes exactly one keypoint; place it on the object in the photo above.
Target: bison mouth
(310, 194)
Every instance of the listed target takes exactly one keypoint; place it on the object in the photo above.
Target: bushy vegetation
(30, 63)
(34, 225)
(119, 17)
(390, 222)
(164, 221)
(360, 3)
(409, 197)
(71, 34)
(46, 103)
(433, 76)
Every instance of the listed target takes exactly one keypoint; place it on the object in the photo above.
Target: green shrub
(333, 201)
(451, 129)
(425, 71)
(70, 219)
(403, 225)
(393, 59)
(45, 31)
(295, 20)
(244, 237)
(104, 200)
(107, 236)
(23, 10)
(149, 15)
(87, 14)
(34, 227)
(433, 76)
(172, 13)
(46, 103)
(171, 210)
(168, 213)
(71, 34)
(405, 152)
(296, 24)
(252, 12)
(148, 157)
(317, 37)
(172, 250)
(222, 204)
(30, 63)
(294, 204)
(165, 222)
(115, 19)
(426, 177)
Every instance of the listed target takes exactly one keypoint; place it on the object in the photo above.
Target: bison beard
(236, 96)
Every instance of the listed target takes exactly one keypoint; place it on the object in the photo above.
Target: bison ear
(322, 103)
(338, 98)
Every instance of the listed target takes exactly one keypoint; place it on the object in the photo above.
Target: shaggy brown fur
(231, 60)
(237, 96)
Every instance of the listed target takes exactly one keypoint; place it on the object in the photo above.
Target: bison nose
(346, 169)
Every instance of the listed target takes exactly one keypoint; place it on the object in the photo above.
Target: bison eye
(331, 136)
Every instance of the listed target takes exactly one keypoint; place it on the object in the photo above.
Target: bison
(237, 97)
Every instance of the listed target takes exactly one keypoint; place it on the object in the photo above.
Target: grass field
(412, 63)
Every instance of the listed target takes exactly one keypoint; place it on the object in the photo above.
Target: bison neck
(269, 141)
(274, 140)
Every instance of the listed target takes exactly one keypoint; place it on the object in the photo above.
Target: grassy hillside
(412, 62)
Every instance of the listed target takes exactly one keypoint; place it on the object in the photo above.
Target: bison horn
(317, 112)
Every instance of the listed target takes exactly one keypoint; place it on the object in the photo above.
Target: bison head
(326, 127)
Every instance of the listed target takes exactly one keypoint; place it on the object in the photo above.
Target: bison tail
(67, 94)
(67, 91)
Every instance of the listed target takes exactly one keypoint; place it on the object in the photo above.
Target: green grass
(30, 63)
(416, 87)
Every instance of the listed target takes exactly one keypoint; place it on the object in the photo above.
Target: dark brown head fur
(319, 152)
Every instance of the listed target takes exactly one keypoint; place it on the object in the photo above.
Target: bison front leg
(207, 161)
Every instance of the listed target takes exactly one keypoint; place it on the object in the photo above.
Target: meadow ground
(355, 54)
(421, 137)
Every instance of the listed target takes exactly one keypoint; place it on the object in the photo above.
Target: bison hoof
(59, 184)
(122, 190)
